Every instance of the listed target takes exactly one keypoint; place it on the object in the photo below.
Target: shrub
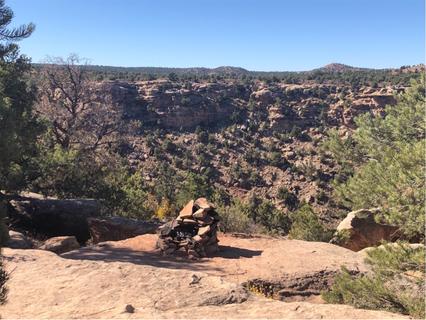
(4, 235)
(263, 212)
(165, 210)
(3, 278)
(194, 186)
(289, 198)
(132, 196)
(234, 219)
(203, 137)
(173, 77)
(396, 283)
(306, 226)
(70, 174)
(169, 146)
(277, 160)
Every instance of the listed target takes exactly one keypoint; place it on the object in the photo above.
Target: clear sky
(253, 34)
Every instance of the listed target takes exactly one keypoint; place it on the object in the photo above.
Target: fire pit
(195, 230)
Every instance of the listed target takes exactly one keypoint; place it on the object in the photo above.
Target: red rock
(203, 230)
(186, 212)
(203, 203)
(200, 214)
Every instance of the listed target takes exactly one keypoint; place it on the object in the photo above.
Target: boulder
(359, 230)
(18, 240)
(48, 218)
(118, 228)
(60, 245)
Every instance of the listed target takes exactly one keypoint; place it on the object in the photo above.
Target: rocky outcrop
(118, 228)
(359, 230)
(101, 281)
(186, 105)
(60, 245)
(174, 105)
(46, 218)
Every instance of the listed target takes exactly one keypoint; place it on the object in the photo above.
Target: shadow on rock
(229, 252)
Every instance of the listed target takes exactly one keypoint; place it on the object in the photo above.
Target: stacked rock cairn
(195, 230)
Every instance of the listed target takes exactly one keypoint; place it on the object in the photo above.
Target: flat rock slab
(100, 281)
(44, 285)
(239, 259)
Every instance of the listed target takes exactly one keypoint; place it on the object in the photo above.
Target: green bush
(396, 282)
(194, 186)
(72, 174)
(264, 213)
(234, 219)
(306, 226)
(289, 198)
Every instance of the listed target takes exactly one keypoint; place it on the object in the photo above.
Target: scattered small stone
(195, 279)
(129, 308)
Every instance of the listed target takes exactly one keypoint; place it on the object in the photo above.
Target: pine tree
(395, 283)
(388, 161)
(18, 126)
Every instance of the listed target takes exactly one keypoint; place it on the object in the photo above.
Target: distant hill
(332, 70)
(340, 67)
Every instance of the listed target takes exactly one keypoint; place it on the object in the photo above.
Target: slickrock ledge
(102, 280)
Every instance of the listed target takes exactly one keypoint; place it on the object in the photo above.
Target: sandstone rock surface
(100, 281)
(359, 230)
(60, 244)
(18, 240)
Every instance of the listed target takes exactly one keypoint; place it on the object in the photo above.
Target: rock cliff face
(171, 105)
(186, 105)
(259, 136)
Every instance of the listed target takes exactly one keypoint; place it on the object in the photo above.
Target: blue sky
(253, 34)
